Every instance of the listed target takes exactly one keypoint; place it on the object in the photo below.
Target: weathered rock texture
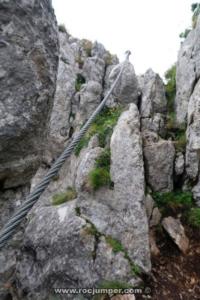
(28, 59)
(188, 72)
(97, 235)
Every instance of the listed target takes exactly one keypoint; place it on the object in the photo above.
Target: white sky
(149, 28)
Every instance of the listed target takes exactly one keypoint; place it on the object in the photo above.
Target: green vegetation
(170, 87)
(79, 61)
(100, 175)
(103, 126)
(80, 80)
(195, 8)
(62, 28)
(176, 133)
(108, 58)
(92, 230)
(118, 247)
(87, 46)
(173, 200)
(184, 34)
(64, 197)
(78, 211)
(194, 217)
(115, 244)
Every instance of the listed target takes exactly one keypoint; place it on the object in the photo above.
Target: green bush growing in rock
(170, 87)
(184, 34)
(87, 46)
(70, 194)
(80, 80)
(194, 217)
(62, 28)
(100, 175)
(173, 200)
(195, 8)
(103, 126)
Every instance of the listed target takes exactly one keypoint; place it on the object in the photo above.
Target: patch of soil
(175, 276)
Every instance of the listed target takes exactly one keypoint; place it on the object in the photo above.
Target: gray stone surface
(153, 106)
(188, 72)
(196, 193)
(61, 121)
(176, 231)
(127, 88)
(29, 58)
(193, 135)
(179, 164)
(159, 160)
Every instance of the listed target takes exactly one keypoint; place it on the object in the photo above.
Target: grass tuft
(103, 126)
(100, 175)
(194, 217)
(61, 198)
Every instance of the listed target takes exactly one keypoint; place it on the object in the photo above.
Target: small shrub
(62, 28)
(103, 161)
(103, 126)
(136, 270)
(82, 144)
(80, 80)
(108, 58)
(87, 46)
(115, 244)
(180, 141)
(99, 177)
(194, 217)
(70, 194)
(78, 211)
(184, 34)
(173, 200)
(79, 61)
(170, 87)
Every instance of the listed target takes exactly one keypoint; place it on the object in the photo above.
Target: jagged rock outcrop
(153, 106)
(90, 221)
(84, 230)
(188, 72)
(159, 161)
(29, 58)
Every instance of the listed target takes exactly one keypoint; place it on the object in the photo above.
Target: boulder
(159, 161)
(29, 59)
(127, 88)
(153, 103)
(176, 231)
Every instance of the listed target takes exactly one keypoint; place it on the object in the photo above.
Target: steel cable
(9, 228)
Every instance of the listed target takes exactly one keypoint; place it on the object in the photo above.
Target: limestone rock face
(153, 106)
(127, 173)
(127, 89)
(193, 135)
(60, 122)
(90, 221)
(188, 72)
(29, 58)
(159, 160)
(179, 164)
